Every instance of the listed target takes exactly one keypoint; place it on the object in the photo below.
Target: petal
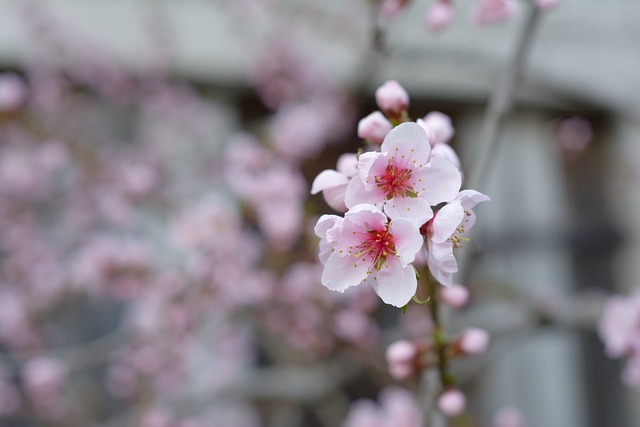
(407, 239)
(324, 224)
(347, 164)
(408, 142)
(356, 194)
(470, 198)
(446, 151)
(364, 165)
(446, 221)
(442, 179)
(342, 272)
(415, 209)
(334, 197)
(326, 179)
(442, 263)
(395, 284)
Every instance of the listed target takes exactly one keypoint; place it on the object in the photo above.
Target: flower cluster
(402, 195)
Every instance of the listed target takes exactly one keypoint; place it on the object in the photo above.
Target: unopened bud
(455, 296)
(452, 402)
(374, 127)
(392, 99)
(473, 341)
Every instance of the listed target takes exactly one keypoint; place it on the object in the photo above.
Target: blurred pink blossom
(491, 12)
(452, 402)
(438, 15)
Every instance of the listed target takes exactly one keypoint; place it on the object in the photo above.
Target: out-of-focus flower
(508, 416)
(473, 341)
(490, 12)
(452, 402)
(438, 15)
(13, 92)
(573, 137)
(455, 296)
(547, 4)
(397, 408)
(391, 8)
(402, 359)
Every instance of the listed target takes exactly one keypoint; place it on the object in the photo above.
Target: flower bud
(455, 296)
(392, 99)
(391, 8)
(438, 15)
(374, 127)
(452, 402)
(402, 359)
(473, 341)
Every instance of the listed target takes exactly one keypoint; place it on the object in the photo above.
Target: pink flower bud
(508, 417)
(392, 98)
(491, 12)
(44, 377)
(374, 127)
(391, 8)
(547, 4)
(439, 15)
(455, 296)
(452, 402)
(401, 357)
(13, 92)
(473, 341)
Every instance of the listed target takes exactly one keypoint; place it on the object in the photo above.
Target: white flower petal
(442, 179)
(408, 140)
(446, 221)
(395, 284)
(342, 272)
(407, 239)
(415, 209)
(326, 179)
(356, 194)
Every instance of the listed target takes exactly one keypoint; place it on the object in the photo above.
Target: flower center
(376, 246)
(395, 182)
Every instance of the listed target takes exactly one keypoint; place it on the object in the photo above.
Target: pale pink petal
(446, 221)
(443, 181)
(408, 144)
(442, 263)
(334, 197)
(470, 198)
(326, 179)
(407, 240)
(365, 163)
(356, 194)
(415, 209)
(347, 164)
(440, 124)
(342, 272)
(445, 150)
(395, 284)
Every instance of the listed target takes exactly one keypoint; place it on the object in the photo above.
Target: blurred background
(158, 265)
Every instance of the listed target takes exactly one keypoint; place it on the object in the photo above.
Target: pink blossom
(374, 128)
(446, 233)
(547, 4)
(490, 12)
(401, 178)
(365, 246)
(455, 296)
(13, 92)
(44, 378)
(392, 99)
(391, 8)
(439, 15)
(619, 325)
(402, 357)
(473, 341)
(508, 416)
(452, 402)
(333, 183)
(573, 137)
(439, 124)
(397, 408)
